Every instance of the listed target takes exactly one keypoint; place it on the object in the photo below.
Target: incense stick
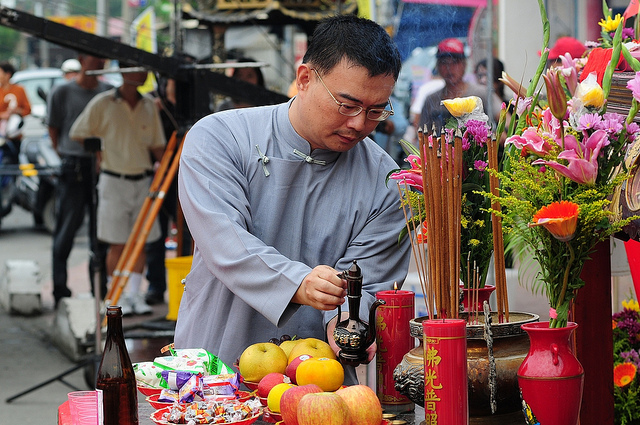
(498, 240)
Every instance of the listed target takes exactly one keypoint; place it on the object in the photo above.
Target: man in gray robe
(280, 199)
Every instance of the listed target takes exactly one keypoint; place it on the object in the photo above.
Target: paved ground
(27, 355)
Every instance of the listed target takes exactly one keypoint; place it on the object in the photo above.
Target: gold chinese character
(429, 377)
(431, 419)
(432, 358)
(430, 395)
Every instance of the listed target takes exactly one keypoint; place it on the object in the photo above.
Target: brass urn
(510, 347)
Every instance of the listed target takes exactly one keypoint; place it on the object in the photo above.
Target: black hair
(7, 68)
(257, 69)
(360, 41)
(498, 68)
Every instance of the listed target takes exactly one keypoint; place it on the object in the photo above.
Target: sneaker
(126, 304)
(140, 307)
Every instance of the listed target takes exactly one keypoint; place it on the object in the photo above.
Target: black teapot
(353, 335)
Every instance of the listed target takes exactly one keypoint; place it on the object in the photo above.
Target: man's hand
(371, 350)
(321, 289)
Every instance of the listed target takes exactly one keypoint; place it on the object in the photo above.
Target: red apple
(290, 371)
(364, 405)
(323, 408)
(291, 398)
(269, 381)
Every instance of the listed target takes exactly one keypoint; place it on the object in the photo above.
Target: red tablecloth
(64, 415)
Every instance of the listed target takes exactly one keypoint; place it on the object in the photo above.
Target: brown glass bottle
(115, 377)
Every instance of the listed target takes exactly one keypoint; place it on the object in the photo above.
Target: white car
(35, 81)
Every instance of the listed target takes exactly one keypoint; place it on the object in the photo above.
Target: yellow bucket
(177, 269)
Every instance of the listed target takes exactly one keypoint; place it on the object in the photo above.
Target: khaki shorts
(119, 203)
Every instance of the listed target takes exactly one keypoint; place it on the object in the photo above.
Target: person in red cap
(451, 65)
(565, 45)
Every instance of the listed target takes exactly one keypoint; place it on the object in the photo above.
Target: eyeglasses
(349, 110)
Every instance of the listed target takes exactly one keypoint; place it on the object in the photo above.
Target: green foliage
(8, 40)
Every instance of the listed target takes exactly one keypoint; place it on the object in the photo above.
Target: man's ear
(303, 76)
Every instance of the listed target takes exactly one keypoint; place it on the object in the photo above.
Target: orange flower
(422, 236)
(614, 324)
(559, 218)
(623, 374)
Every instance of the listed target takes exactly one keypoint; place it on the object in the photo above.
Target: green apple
(260, 359)
(313, 347)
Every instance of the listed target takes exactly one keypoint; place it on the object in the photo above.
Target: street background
(27, 354)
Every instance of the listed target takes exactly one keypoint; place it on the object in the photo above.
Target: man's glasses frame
(350, 110)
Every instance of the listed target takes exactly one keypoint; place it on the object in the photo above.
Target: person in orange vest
(13, 100)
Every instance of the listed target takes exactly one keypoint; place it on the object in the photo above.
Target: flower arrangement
(565, 162)
(626, 361)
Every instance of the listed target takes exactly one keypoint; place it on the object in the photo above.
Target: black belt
(129, 176)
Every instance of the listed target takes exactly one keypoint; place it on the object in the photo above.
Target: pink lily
(568, 70)
(530, 142)
(412, 176)
(555, 93)
(634, 86)
(583, 160)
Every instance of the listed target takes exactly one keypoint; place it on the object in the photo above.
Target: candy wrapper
(225, 384)
(188, 386)
(148, 374)
(194, 360)
(213, 365)
(213, 412)
(183, 364)
(168, 396)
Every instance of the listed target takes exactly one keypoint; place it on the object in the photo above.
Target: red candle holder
(446, 398)
(394, 341)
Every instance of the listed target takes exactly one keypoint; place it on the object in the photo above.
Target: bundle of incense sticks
(498, 241)
(442, 182)
(418, 240)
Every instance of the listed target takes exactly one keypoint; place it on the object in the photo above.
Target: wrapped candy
(187, 385)
(224, 384)
(214, 412)
(148, 374)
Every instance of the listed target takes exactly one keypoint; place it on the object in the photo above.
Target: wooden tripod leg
(148, 221)
(133, 236)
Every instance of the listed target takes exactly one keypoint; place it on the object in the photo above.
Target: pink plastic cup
(85, 407)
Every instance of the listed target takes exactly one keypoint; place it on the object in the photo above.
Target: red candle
(394, 341)
(446, 398)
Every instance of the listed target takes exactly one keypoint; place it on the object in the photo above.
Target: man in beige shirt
(130, 128)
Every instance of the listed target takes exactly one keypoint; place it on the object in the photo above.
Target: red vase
(483, 295)
(550, 377)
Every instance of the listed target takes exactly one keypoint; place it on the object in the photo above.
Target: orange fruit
(326, 373)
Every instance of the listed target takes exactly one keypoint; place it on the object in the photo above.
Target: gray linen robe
(259, 226)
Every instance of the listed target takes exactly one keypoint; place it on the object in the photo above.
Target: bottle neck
(114, 321)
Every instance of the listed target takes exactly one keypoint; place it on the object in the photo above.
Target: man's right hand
(322, 289)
